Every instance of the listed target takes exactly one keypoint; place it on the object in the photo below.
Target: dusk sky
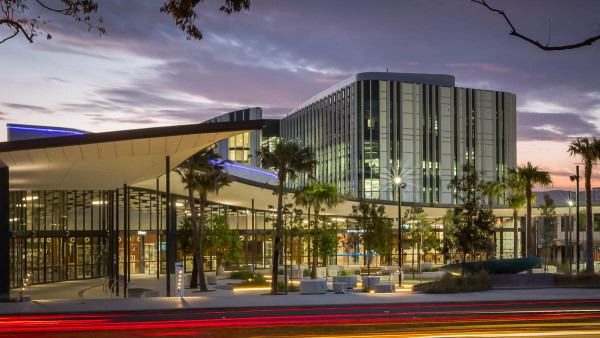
(145, 73)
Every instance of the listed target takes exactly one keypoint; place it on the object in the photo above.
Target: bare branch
(547, 47)
(18, 28)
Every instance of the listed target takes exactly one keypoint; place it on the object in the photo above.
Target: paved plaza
(89, 296)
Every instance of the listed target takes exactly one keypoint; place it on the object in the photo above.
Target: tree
(325, 238)
(185, 239)
(516, 201)
(201, 173)
(492, 190)
(548, 217)
(530, 175)
(225, 243)
(319, 197)
(473, 225)
(375, 228)
(546, 47)
(286, 158)
(14, 15)
(588, 149)
(419, 231)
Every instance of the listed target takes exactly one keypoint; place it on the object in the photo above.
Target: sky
(144, 73)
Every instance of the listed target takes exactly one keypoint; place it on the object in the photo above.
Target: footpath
(88, 296)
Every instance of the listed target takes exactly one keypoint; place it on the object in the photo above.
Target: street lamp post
(576, 178)
(567, 230)
(399, 186)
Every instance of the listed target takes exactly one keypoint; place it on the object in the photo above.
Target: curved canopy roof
(110, 159)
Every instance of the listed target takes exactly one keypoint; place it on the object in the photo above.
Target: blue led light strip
(233, 165)
(46, 130)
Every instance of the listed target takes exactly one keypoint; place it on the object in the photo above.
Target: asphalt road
(523, 319)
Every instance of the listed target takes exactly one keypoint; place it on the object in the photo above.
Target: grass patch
(472, 282)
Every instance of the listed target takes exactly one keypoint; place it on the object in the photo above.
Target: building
(372, 126)
(80, 205)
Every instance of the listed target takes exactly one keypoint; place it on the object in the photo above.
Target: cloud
(33, 108)
(553, 126)
(488, 67)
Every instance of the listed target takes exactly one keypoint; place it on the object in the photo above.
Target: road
(522, 319)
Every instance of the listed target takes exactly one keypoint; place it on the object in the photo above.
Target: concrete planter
(374, 280)
(383, 288)
(350, 281)
(313, 286)
(211, 280)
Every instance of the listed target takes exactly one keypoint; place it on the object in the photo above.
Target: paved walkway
(87, 296)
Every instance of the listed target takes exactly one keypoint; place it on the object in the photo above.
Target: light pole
(399, 186)
(567, 230)
(576, 178)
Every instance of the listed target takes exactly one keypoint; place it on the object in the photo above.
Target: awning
(110, 159)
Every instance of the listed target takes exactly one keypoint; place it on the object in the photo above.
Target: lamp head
(570, 203)
(397, 180)
(573, 178)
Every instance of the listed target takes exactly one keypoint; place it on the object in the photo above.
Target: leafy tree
(530, 176)
(376, 229)
(516, 201)
(473, 225)
(319, 197)
(420, 231)
(548, 231)
(492, 190)
(588, 149)
(201, 174)
(325, 238)
(448, 244)
(225, 243)
(286, 158)
(14, 15)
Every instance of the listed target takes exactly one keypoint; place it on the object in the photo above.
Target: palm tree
(319, 197)
(201, 173)
(531, 175)
(516, 201)
(286, 158)
(589, 151)
(492, 190)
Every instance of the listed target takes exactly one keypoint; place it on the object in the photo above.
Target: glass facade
(365, 132)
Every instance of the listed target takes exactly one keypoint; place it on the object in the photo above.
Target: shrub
(255, 279)
(280, 272)
(293, 288)
(306, 272)
(345, 273)
(242, 274)
(471, 282)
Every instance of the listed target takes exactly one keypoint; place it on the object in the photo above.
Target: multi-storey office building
(372, 126)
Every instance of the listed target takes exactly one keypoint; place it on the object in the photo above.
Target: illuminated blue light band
(46, 130)
(233, 165)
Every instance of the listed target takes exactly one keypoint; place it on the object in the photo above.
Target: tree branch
(17, 27)
(587, 42)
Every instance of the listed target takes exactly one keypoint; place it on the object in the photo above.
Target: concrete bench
(350, 281)
(383, 288)
(141, 293)
(374, 280)
(340, 287)
(211, 280)
(321, 272)
(313, 286)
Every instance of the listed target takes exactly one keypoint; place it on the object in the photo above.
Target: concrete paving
(88, 296)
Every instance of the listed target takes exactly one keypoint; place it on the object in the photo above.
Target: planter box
(383, 288)
(313, 286)
(350, 281)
